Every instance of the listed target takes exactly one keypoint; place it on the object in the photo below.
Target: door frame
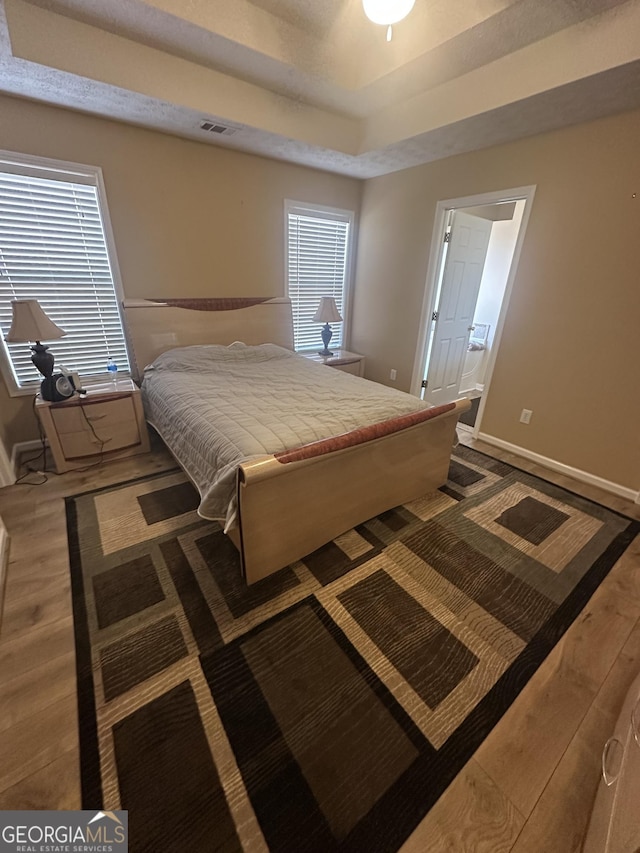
(443, 208)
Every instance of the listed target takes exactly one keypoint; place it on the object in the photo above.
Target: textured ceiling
(315, 82)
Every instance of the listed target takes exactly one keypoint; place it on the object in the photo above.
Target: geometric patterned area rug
(330, 705)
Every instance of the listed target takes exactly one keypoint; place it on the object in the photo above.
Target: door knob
(470, 328)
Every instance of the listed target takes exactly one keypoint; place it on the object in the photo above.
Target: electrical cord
(21, 480)
(101, 442)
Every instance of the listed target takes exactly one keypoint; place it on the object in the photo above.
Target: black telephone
(59, 386)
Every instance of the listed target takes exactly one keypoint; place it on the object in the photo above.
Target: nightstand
(106, 423)
(347, 362)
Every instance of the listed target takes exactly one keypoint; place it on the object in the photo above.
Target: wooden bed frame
(288, 507)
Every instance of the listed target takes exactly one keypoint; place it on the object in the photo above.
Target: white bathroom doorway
(475, 249)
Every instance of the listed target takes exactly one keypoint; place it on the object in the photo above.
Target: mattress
(217, 406)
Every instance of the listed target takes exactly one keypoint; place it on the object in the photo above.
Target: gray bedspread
(218, 406)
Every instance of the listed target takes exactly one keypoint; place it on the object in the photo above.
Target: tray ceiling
(314, 82)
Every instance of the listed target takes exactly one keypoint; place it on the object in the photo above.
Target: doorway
(475, 250)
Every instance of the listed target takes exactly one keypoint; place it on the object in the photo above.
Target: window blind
(317, 264)
(53, 249)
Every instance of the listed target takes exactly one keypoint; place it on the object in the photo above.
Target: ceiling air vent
(214, 127)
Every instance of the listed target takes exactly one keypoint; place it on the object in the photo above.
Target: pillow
(203, 357)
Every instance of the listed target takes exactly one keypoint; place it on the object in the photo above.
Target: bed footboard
(288, 509)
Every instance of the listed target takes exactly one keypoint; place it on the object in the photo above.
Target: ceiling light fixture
(387, 12)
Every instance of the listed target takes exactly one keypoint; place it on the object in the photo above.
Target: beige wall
(570, 346)
(188, 218)
(183, 214)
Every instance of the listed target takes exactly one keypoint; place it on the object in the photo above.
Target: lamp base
(326, 334)
(42, 358)
(326, 353)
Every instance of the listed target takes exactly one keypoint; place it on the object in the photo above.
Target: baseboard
(6, 468)
(20, 448)
(561, 468)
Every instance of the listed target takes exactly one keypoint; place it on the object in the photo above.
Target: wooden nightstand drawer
(354, 367)
(106, 424)
(85, 443)
(107, 415)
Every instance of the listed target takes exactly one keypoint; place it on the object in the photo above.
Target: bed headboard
(152, 327)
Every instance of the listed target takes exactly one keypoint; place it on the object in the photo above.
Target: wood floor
(529, 787)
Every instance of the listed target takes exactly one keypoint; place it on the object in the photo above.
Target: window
(54, 248)
(318, 264)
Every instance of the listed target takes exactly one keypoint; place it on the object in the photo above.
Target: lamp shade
(30, 323)
(387, 12)
(327, 311)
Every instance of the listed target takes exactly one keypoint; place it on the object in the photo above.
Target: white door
(461, 279)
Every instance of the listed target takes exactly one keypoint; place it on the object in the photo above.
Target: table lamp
(30, 323)
(327, 313)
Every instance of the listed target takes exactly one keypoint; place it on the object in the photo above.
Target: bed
(283, 479)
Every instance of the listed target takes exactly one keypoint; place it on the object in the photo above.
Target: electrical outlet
(525, 416)
(393, 375)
